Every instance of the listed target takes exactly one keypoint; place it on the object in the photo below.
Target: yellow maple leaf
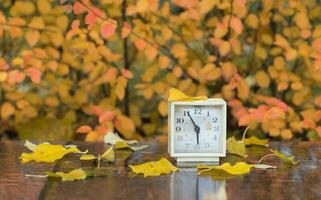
(287, 159)
(255, 141)
(163, 166)
(227, 170)
(177, 95)
(76, 174)
(48, 153)
(235, 147)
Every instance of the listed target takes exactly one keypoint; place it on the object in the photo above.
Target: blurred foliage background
(75, 69)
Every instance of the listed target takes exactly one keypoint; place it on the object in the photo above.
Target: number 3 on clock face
(198, 129)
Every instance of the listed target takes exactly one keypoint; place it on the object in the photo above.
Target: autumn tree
(108, 64)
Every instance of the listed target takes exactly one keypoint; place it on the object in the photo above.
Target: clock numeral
(215, 120)
(179, 120)
(180, 138)
(185, 113)
(216, 128)
(215, 137)
(178, 129)
(198, 111)
(208, 113)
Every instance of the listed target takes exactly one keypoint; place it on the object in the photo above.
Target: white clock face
(197, 129)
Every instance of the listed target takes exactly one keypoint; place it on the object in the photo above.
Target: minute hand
(196, 128)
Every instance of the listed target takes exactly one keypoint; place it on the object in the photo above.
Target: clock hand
(196, 128)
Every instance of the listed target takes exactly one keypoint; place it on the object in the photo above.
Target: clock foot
(193, 162)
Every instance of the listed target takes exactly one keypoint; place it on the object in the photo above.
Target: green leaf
(236, 147)
(287, 159)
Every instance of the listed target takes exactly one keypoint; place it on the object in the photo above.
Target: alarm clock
(197, 130)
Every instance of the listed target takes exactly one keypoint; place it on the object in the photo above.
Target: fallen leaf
(235, 147)
(108, 155)
(177, 95)
(47, 153)
(237, 169)
(255, 141)
(287, 159)
(163, 166)
(112, 138)
(31, 146)
(264, 166)
(88, 157)
(76, 174)
(124, 145)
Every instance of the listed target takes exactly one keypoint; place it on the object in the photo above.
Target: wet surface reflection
(299, 182)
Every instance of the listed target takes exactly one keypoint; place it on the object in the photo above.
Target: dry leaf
(47, 153)
(76, 174)
(235, 147)
(287, 159)
(163, 166)
(108, 155)
(264, 166)
(31, 146)
(112, 138)
(230, 170)
(255, 141)
(124, 145)
(88, 157)
(227, 170)
(177, 95)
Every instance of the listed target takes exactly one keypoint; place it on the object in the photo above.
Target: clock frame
(197, 157)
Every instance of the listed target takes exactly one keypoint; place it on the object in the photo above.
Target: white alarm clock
(197, 130)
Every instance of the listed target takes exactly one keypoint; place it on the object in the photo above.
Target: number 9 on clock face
(198, 128)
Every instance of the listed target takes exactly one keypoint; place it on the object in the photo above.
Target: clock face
(197, 129)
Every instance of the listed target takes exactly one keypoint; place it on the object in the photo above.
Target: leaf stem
(244, 133)
(268, 155)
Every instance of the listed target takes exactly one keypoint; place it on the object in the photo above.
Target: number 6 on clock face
(197, 129)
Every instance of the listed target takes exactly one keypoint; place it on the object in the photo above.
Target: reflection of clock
(197, 130)
(188, 185)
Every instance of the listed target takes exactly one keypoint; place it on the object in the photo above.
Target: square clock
(197, 130)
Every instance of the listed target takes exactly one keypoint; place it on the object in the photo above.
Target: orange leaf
(178, 50)
(126, 29)
(106, 116)
(15, 76)
(126, 73)
(108, 29)
(236, 25)
(32, 37)
(224, 48)
(7, 109)
(163, 62)
(140, 44)
(34, 74)
(84, 129)
(78, 8)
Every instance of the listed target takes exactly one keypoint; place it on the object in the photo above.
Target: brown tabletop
(300, 182)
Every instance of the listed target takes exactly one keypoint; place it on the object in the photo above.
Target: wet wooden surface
(300, 182)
